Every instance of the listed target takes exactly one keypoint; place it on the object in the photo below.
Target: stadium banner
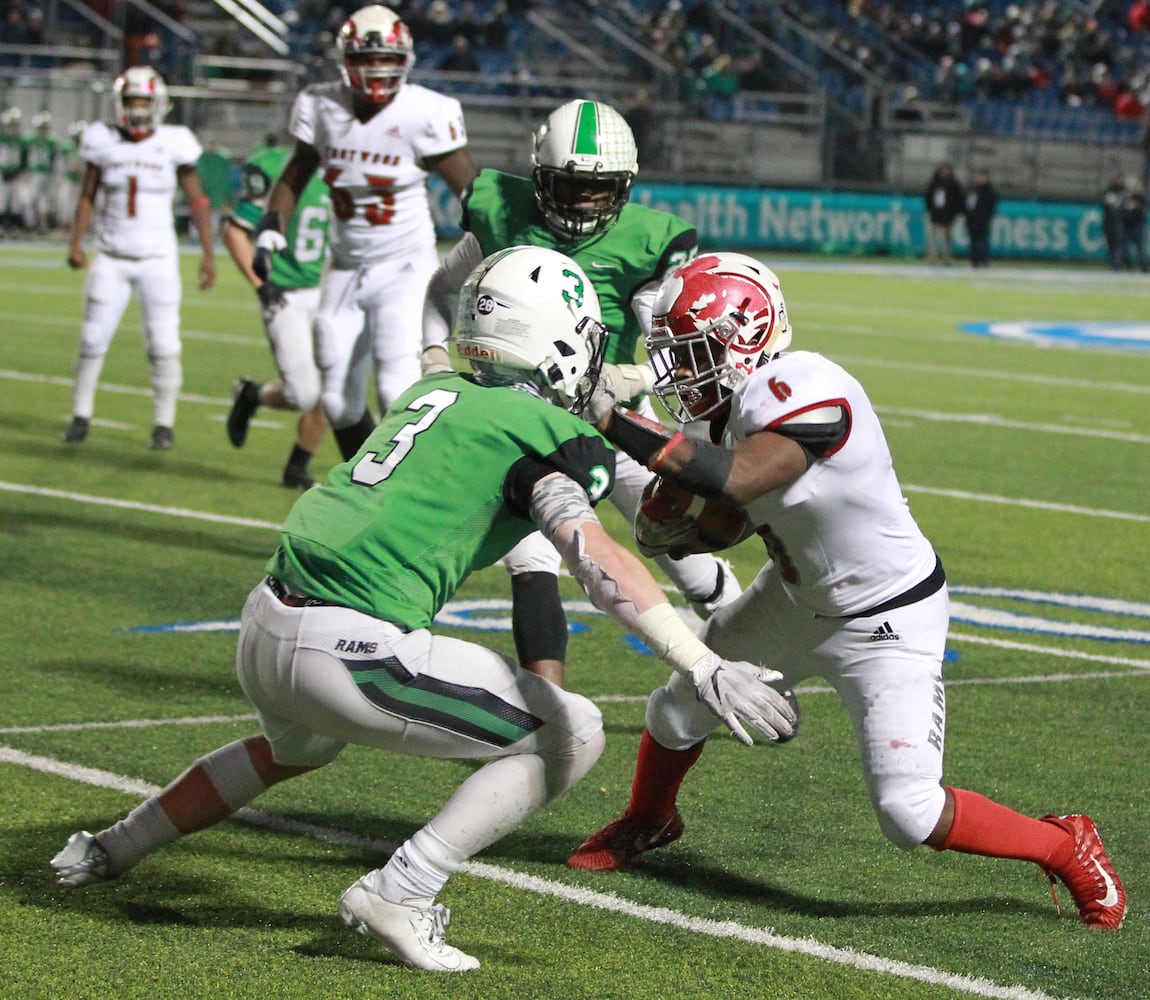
(886, 225)
(872, 224)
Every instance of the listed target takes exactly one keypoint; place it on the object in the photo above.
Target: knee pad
(577, 752)
(301, 389)
(908, 808)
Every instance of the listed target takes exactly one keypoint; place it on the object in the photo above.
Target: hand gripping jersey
(841, 535)
(441, 488)
(375, 169)
(138, 180)
(301, 264)
(499, 210)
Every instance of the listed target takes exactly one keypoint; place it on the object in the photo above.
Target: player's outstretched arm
(618, 583)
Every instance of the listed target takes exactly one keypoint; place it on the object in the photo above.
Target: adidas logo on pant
(884, 633)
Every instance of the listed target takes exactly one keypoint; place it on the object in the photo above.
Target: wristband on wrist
(269, 220)
(639, 437)
(670, 638)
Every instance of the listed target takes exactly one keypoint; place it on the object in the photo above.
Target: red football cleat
(1089, 875)
(619, 843)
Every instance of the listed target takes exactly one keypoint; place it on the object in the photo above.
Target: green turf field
(124, 571)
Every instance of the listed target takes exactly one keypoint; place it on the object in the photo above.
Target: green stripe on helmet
(587, 130)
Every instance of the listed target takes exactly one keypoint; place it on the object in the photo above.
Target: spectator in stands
(1138, 16)
(1134, 228)
(497, 27)
(440, 22)
(469, 24)
(944, 203)
(981, 205)
(460, 58)
(1127, 106)
(1113, 198)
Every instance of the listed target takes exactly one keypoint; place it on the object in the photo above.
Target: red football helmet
(715, 320)
(377, 53)
(140, 97)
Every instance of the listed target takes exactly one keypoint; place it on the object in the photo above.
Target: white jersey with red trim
(841, 535)
(375, 168)
(138, 181)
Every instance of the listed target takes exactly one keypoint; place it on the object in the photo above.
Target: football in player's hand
(674, 520)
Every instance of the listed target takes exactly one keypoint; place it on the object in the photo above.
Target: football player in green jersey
(13, 160)
(577, 201)
(289, 301)
(334, 645)
(42, 163)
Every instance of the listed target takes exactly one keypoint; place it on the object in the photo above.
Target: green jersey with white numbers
(442, 487)
(40, 154)
(301, 264)
(12, 156)
(500, 211)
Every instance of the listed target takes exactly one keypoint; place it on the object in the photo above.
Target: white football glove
(657, 538)
(740, 692)
(617, 384)
(269, 241)
(435, 359)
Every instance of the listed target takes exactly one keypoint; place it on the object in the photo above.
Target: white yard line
(981, 419)
(1060, 508)
(573, 894)
(981, 374)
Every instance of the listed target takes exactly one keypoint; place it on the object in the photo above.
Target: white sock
(232, 774)
(87, 376)
(419, 868)
(167, 377)
(139, 833)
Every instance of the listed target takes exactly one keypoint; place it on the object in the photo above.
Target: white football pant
(374, 312)
(887, 669)
(323, 677)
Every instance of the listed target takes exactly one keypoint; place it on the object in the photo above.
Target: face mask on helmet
(141, 101)
(529, 318)
(715, 320)
(585, 162)
(376, 53)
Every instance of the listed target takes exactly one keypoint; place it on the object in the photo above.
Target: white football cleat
(413, 930)
(82, 861)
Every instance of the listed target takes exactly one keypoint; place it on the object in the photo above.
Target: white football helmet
(140, 97)
(376, 53)
(10, 119)
(42, 121)
(529, 317)
(585, 162)
(715, 320)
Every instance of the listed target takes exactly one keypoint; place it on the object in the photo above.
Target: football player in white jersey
(135, 166)
(853, 591)
(376, 140)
